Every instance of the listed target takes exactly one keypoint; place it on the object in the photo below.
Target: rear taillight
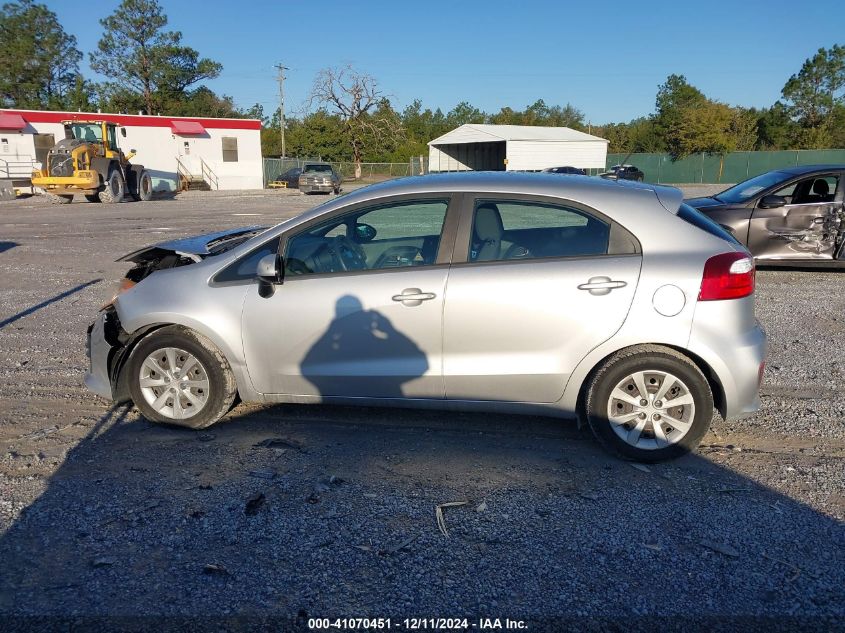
(727, 276)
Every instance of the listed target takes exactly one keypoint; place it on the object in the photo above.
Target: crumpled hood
(197, 247)
(704, 203)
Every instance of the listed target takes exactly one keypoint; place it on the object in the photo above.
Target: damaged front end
(108, 344)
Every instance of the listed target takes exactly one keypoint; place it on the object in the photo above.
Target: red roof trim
(11, 121)
(186, 127)
(134, 120)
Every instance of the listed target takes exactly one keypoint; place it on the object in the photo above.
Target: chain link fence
(715, 169)
(370, 172)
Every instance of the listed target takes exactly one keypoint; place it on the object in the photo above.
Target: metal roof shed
(484, 147)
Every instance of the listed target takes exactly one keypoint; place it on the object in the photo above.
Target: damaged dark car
(790, 216)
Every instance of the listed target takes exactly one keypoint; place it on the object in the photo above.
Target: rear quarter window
(698, 219)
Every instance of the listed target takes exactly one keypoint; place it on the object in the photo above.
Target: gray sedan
(529, 293)
(793, 215)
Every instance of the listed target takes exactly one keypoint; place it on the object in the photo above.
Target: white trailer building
(204, 152)
(483, 147)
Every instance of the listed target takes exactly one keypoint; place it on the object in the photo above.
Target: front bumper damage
(106, 346)
(97, 379)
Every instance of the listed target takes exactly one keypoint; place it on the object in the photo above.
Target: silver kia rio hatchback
(568, 296)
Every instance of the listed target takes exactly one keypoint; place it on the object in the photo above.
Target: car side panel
(516, 330)
(794, 231)
(734, 218)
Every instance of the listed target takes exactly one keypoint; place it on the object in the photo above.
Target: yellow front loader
(88, 161)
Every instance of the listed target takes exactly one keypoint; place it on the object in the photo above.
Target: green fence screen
(714, 169)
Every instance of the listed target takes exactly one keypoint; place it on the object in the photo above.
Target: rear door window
(521, 230)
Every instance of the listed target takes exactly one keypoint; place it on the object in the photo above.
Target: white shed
(484, 147)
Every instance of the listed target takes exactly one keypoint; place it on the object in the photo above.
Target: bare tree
(354, 97)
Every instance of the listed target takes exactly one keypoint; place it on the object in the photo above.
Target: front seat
(821, 190)
(488, 233)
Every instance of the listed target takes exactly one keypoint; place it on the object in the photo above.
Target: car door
(805, 227)
(535, 285)
(359, 313)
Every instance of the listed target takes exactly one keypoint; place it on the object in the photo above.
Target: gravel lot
(292, 512)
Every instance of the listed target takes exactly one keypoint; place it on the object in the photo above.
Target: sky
(605, 58)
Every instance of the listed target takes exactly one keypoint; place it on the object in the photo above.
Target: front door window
(399, 235)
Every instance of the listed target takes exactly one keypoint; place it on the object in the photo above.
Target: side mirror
(123, 132)
(364, 233)
(268, 269)
(772, 202)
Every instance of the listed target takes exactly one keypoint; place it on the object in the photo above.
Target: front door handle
(601, 285)
(413, 297)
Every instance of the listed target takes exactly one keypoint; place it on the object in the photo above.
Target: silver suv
(528, 293)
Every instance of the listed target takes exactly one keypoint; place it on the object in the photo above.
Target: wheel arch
(121, 355)
(718, 391)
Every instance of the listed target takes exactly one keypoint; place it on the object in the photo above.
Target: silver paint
(516, 336)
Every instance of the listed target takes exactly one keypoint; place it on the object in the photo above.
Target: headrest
(488, 222)
(821, 187)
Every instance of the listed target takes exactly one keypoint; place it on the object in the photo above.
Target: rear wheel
(114, 187)
(649, 403)
(145, 187)
(177, 376)
(57, 199)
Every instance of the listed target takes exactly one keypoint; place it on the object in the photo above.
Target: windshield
(90, 132)
(744, 191)
(318, 168)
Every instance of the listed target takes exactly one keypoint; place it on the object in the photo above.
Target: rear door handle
(413, 297)
(601, 285)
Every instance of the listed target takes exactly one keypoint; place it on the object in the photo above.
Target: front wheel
(649, 403)
(114, 188)
(177, 376)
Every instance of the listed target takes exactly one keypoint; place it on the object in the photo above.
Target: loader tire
(114, 188)
(145, 187)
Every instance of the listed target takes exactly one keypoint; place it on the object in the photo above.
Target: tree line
(348, 116)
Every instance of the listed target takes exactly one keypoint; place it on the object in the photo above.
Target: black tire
(221, 382)
(145, 187)
(647, 358)
(114, 188)
(93, 197)
(57, 199)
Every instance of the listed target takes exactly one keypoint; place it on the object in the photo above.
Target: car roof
(593, 192)
(809, 169)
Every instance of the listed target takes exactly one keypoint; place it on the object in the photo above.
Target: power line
(281, 79)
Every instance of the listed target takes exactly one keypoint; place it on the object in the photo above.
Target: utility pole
(281, 80)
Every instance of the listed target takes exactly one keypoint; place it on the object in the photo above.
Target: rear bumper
(745, 364)
(728, 338)
(83, 180)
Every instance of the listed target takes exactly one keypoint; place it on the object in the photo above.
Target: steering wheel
(348, 254)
